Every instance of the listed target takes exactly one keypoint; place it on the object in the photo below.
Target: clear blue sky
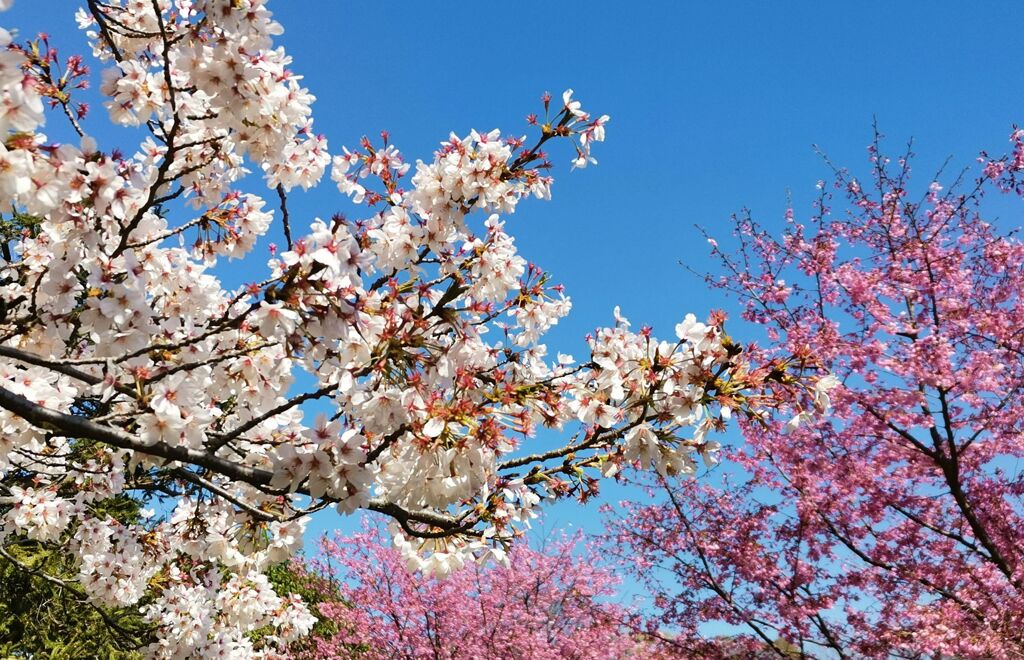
(714, 107)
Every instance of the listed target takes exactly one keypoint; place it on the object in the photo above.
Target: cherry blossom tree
(127, 367)
(892, 527)
(549, 603)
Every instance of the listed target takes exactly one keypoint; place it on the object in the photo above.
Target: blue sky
(714, 108)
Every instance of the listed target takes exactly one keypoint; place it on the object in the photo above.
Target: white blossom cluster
(126, 365)
(230, 90)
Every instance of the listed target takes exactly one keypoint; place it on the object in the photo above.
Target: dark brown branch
(284, 216)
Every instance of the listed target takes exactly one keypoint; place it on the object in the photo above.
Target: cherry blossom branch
(74, 426)
(101, 21)
(222, 439)
(214, 488)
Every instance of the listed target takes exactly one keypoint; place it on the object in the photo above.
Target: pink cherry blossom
(551, 604)
(890, 527)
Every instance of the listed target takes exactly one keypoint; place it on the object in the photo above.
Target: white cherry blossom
(392, 363)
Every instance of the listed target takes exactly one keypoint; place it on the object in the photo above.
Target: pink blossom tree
(547, 604)
(894, 526)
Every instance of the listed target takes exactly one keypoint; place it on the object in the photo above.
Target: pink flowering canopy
(553, 604)
(127, 367)
(892, 527)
